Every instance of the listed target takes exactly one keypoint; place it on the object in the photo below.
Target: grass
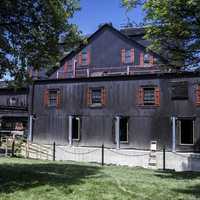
(22, 179)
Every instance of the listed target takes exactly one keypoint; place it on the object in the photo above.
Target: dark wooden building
(13, 111)
(112, 91)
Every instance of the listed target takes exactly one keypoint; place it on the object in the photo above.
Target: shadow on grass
(14, 177)
(170, 174)
(182, 176)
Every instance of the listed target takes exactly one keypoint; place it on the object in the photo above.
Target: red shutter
(80, 58)
(141, 58)
(132, 56)
(157, 96)
(46, 98)
(65, 70)
(123, 56)
(140, 96)
(151, 60)
(88, 56)
(58, 99)
(103, 96)
(88, 97)
(198, 95)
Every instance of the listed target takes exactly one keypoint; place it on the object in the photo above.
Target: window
(186, 131)
(179, 91)
(127, 56)
(12, 101)
(75, 128)
(146, 58)
(96, 97)
(52, 97)
(123, 129)
(149, 95)
(84, 57)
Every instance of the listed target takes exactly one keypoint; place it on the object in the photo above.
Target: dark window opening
(186, 130)
(75, 128)
(52, 97)
(179, 91)
(96, 96)
(149, 96)
(123, 129)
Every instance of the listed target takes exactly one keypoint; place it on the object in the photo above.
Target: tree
(173, 27)
(33, 32)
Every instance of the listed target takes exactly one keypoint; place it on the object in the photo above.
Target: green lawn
(35, 180)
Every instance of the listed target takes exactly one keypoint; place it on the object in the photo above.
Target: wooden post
(70, 130)
(164, 158)
(13, 148)
(6, 150)
(54, 151)
(174, 134)
(102, 154)
(117, 132)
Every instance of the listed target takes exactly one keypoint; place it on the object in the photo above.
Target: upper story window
(52, 98)
(179, 91)
(127, 56)
(96, 97)
(146, 59)
(149, 95)
(84, 57)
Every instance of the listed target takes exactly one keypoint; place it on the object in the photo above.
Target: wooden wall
(145, 123)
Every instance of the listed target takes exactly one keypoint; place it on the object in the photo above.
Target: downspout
(70, 130)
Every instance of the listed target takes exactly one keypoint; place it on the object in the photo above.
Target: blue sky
(95, 12)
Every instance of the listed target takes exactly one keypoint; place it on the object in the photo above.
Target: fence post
(164, 158)
(54, 151)
(102, 154)
(13, 148)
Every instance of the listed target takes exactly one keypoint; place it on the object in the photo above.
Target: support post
(174, 134)
(6, 150)
(128, 70)
(74, 69)
(88, 72)
(54, 151)
(70, 130)
(102, 154)
(30, 128)
(164, 158)
(117, 133)
(13, 148)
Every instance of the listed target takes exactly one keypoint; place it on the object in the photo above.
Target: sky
(95, 12)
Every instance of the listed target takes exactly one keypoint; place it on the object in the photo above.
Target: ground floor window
(123, 129)
(75, 128)
(186, 131)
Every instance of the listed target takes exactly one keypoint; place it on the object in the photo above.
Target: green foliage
(173, 27)
(33, 33)
(22, 179)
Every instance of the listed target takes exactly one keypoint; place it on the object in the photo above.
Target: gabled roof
(119, 33)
